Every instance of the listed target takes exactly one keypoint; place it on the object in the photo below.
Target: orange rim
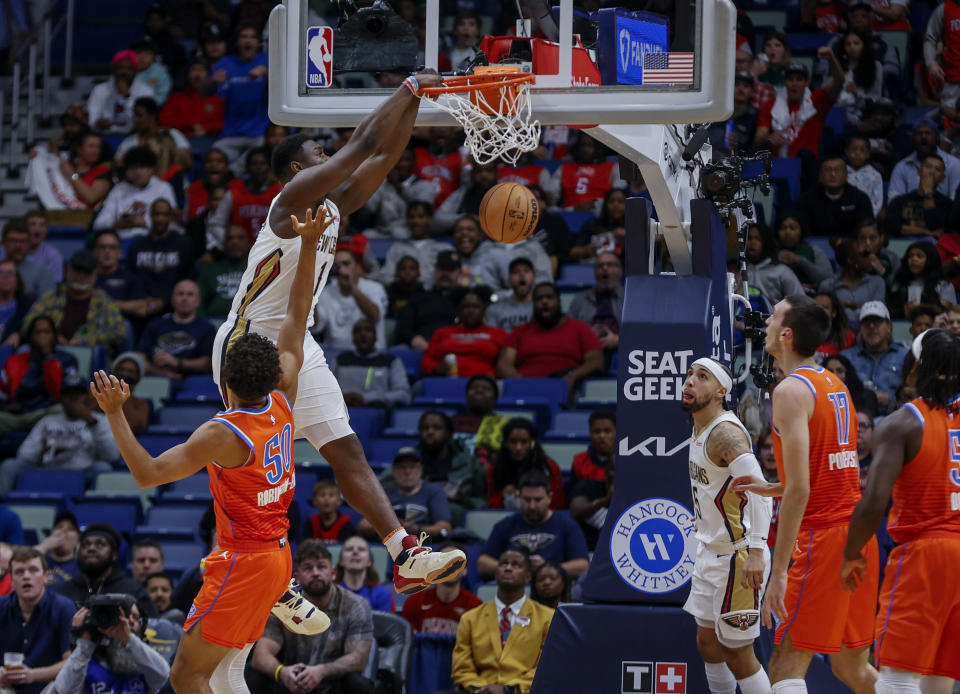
(473, 83)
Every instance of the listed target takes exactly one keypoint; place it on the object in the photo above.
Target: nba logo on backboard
(319, 57)
(671, 678)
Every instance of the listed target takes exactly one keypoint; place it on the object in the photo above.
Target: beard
(93, 566)
(694, 406)
(549, 320)
(317, 589)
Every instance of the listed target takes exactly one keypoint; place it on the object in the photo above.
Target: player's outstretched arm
(895, 441)
(208, 443)
(792, 408)
(374, 134)
(294, 326)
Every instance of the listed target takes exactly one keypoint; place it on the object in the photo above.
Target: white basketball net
(507, 133)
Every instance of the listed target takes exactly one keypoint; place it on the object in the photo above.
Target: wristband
(276, 673)
(412, 84)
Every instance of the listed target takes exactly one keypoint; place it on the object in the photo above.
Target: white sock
(790, 687)
(935, 684)
(757, 683)
(228, 677)
(720, 679)
(394, 542)
(893, 681)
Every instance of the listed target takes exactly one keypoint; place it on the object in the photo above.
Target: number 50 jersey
(251, 501)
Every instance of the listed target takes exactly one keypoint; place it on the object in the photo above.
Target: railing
(25, 70)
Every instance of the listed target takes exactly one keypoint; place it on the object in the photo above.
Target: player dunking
(247, 451)
(815, 442)
(333, 186)
(916, 457)
(732, 555)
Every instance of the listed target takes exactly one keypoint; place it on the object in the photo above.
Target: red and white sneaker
(298, 614)
(418, 567)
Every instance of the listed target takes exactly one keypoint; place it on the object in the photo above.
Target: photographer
(109, 655)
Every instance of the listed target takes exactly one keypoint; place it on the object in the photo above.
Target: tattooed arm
(726, 443)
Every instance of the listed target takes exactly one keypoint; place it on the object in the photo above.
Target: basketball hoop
(493, 107)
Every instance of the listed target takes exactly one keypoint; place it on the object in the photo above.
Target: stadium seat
(182, 556)
(153, 388)
(304, 452)
(305, 480)
(901, 331)
(405, 420)
(442, 391)
(548, 393)
(50, 497)
(481, 521)
(35, 517)
(411, 359)
(380, 247)
(122, 514)
(562, 452)
(191, 490)
(180, 517)
(574, 424)
(199, 388)
(599, 392)
(182, 419)
(68, 482)
(486, 591)
(576, 276)
(383, 450)
(772, 19)
(121, 484)
(575, 220)
(367, 422)
(157, 443)
(807, 43)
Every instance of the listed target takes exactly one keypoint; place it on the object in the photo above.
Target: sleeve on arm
(153, 665)
(71, 676)
(933, 35)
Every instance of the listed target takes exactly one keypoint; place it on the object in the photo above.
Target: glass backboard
(658, 61)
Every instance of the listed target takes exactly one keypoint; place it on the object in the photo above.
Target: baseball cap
(406, 453)
(66, 516)
(746, 76)
(859, 3)
(520, 259)
(875, 309)
(213, 32)
(448, 260)
(794, 68)
(927, 122)
(73, 383)
(83, 261)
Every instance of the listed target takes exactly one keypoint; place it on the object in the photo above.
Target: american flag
(668, 68)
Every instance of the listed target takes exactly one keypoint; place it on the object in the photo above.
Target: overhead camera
(722, 181)
(373, 38)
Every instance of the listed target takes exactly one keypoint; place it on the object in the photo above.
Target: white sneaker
(418, 567)
(298, 614)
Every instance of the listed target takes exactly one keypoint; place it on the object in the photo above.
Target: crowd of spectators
(168, 164)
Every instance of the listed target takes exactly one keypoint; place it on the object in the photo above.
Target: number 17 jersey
(834, 465)
(251, 501)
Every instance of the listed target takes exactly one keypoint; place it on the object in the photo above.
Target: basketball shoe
(418, 567)
(298, 614)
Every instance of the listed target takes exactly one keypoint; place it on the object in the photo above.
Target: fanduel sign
(634, 38)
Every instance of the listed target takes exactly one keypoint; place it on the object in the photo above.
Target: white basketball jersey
(261, 300)
(720, 514)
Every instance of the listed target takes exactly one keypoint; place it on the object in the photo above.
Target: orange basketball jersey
(834, 466)
(251, 501)
(926, 497)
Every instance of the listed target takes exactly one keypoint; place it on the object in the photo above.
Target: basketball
(509, 212)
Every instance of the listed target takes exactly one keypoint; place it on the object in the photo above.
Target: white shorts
(319, 399)
(718, 598)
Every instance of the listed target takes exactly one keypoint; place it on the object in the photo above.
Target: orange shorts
(821, 615)
(239, 590)
(918, 624)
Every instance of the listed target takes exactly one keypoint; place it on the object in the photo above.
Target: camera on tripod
(755, 324)
(722, 181)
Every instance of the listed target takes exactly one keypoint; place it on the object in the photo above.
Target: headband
(717, 371)
(917, 345)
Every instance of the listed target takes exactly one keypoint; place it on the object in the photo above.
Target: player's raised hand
(428, 77)
(109, 391)
(773, 600)
(312, 229)
(851, 572)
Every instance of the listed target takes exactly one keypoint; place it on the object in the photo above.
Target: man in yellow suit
(499, 643)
